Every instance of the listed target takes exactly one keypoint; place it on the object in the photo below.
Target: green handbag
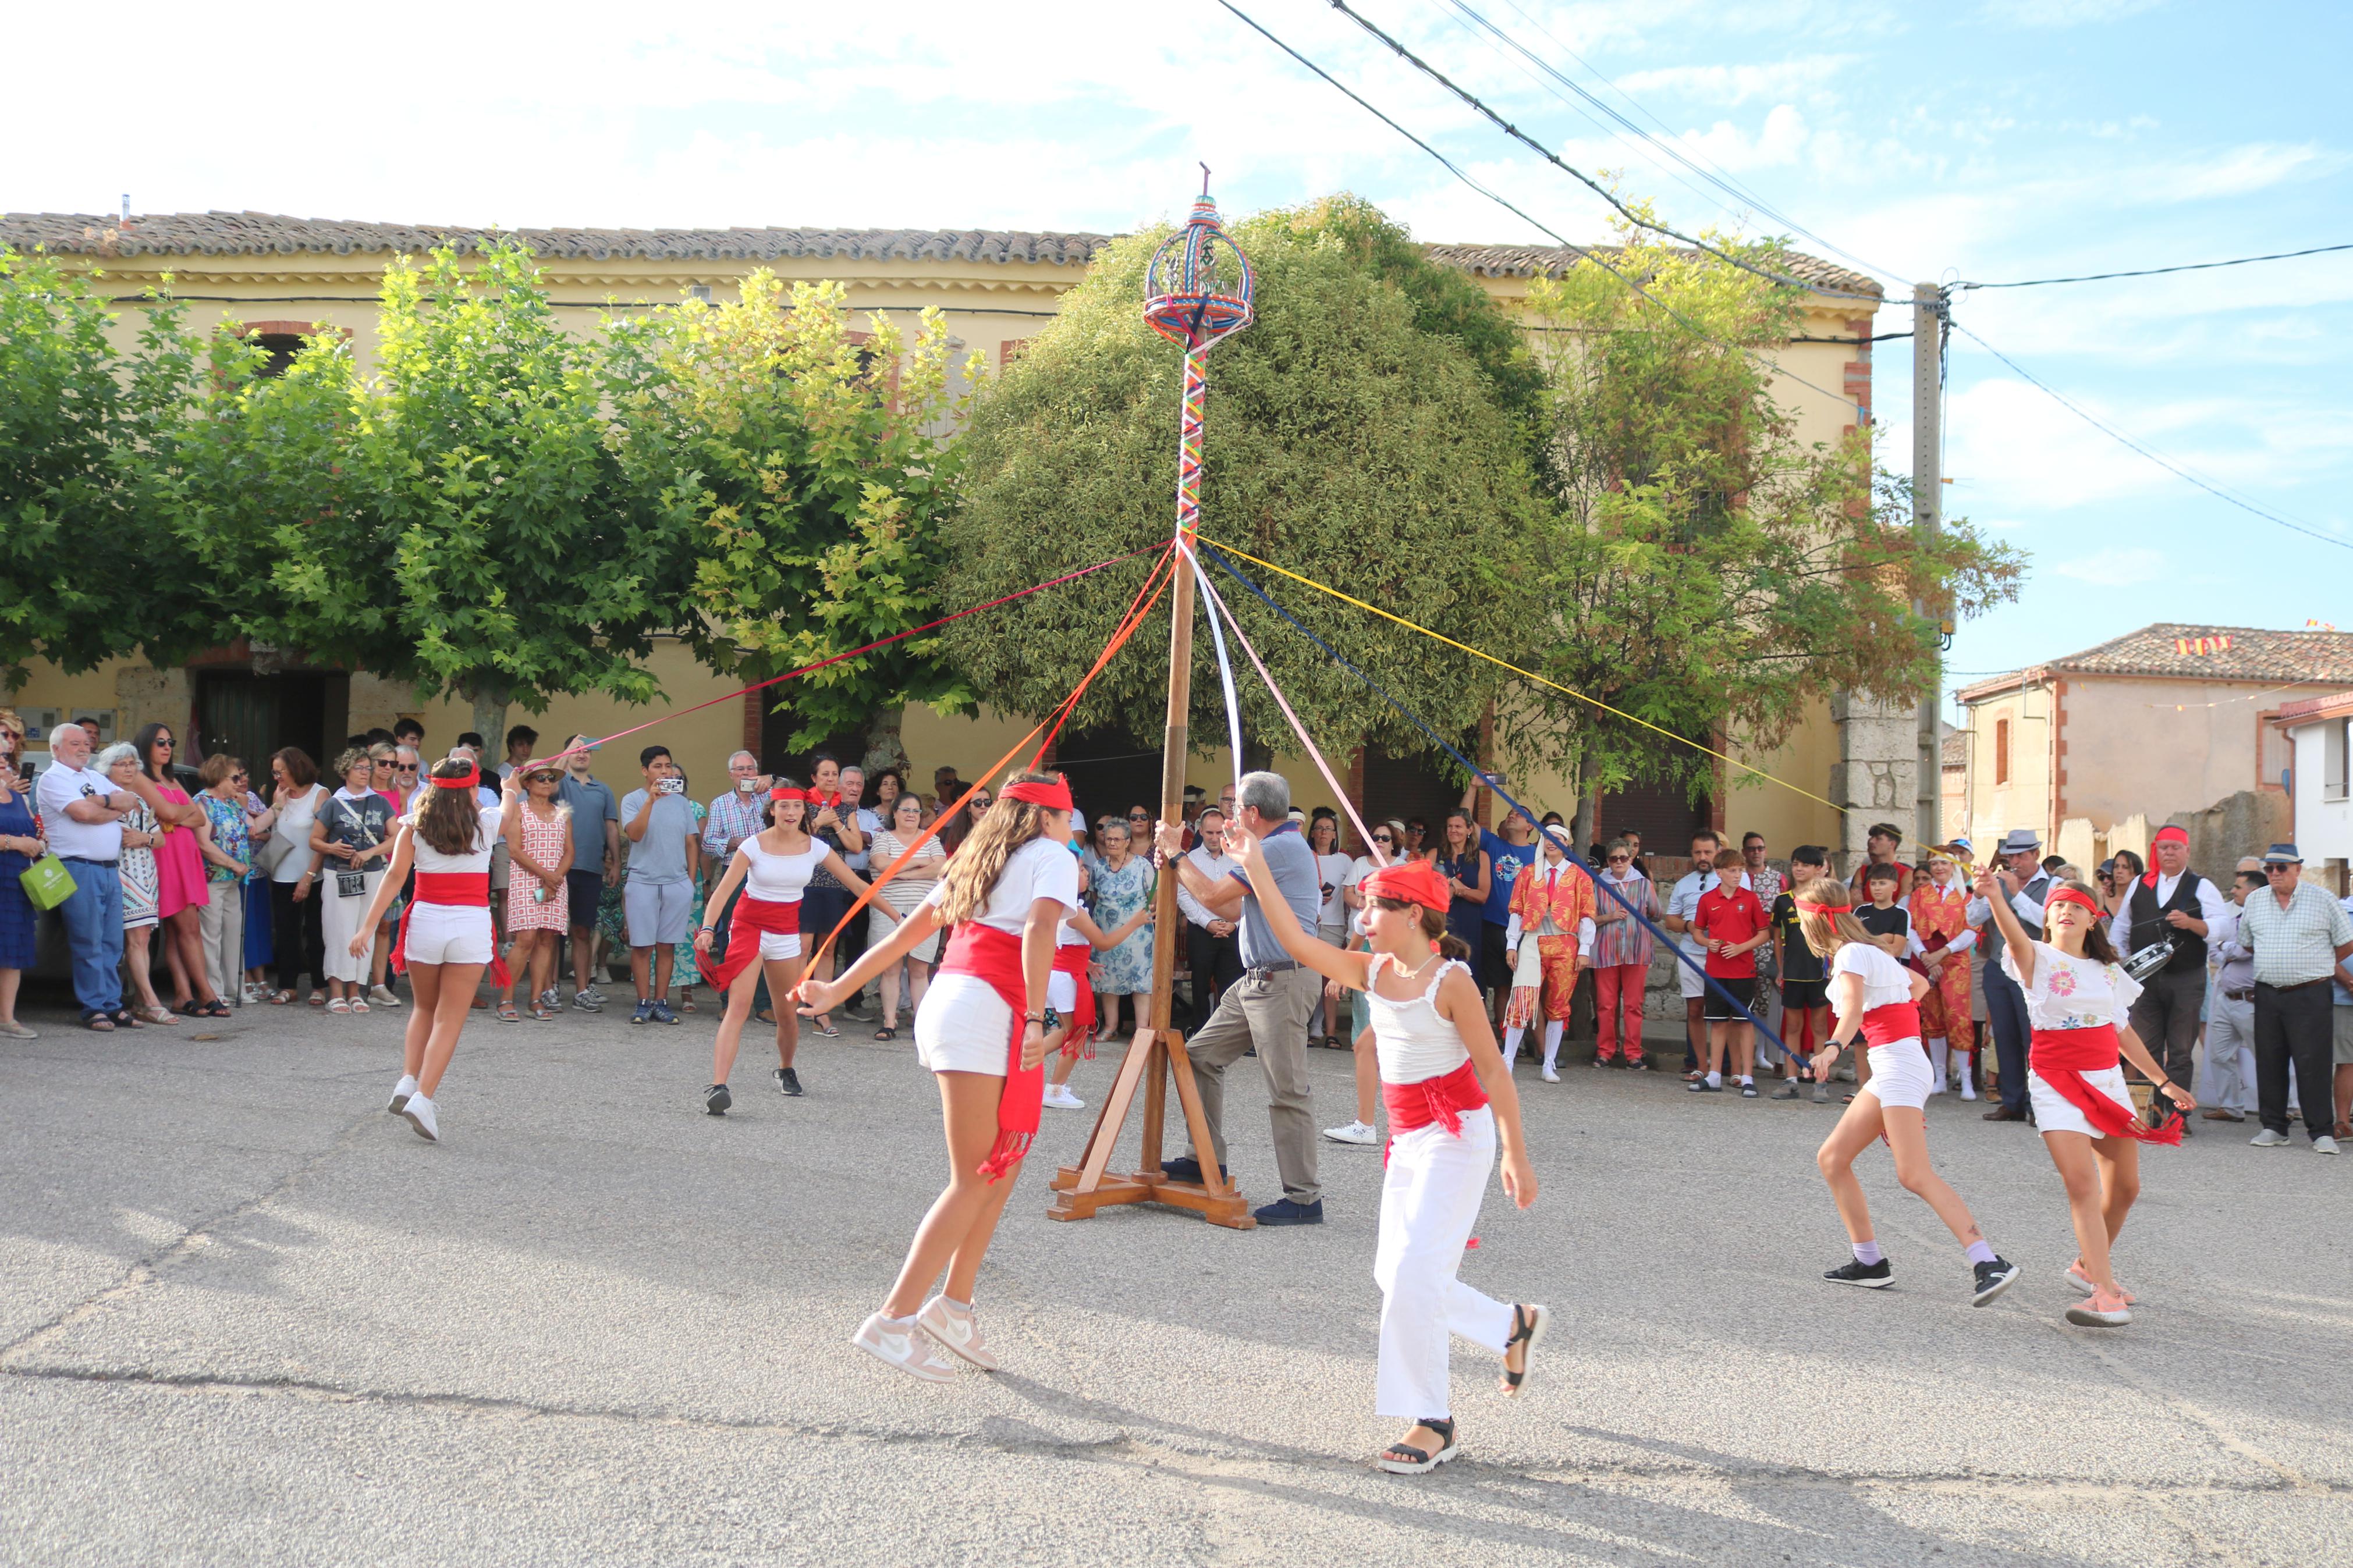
(47, 882)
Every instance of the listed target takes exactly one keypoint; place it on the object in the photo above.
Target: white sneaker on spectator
(383, 996)
(2267, 1139)
(1355, 1132)
(900, 1343)
(2324, 1144)
(1059, 1098)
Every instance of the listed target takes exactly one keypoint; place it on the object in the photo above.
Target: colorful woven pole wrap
(1197, 293)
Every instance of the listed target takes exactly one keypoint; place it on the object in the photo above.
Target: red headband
(1054, 794)
(2063, 894)
(1826, 909)
(1410, 881)
(2169, 833)
(786, 792)
(463, 781)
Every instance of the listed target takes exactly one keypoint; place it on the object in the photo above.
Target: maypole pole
(1197, 293)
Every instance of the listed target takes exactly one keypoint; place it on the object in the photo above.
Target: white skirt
(1900, 1074)
(448, 934)
(338, 921)
(2054, 1112)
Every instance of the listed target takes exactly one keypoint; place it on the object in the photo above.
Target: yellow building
(282, 278)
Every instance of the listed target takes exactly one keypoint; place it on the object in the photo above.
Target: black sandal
(215, 1008)
(98, 1023)
(1529, 1325)
(1400, 1459)
(126, 1019)
(886, 1033)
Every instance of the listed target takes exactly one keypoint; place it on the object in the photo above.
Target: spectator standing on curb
(851, 947)
(1509, 853)
(2171, 904)
(226, 842)
(2022, 878)
(1939, 910)
(1683, 904)
(1212, 948)
(539, 848)
(1804, 977)
(81, 812)
(1880, 845)
(2341, 1019)
(20, 845)
(658, 896)
(2230, 1013)
(595, 861)
(1732, 925)
(351, 834)
(2301, 938)
(1551, 932)
(1622, 957)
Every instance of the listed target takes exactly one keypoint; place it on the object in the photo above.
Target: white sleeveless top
(779, 878)
(1411, 1041)
(431, 860)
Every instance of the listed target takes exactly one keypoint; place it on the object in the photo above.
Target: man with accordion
(2163, 926)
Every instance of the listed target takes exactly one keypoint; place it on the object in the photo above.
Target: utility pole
(1928, 510)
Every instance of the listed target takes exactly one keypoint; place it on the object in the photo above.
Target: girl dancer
(1878, 998)
(2080, 1003)
(1450, 1096)
(985, 1038)
(445, 939)
(775, 866)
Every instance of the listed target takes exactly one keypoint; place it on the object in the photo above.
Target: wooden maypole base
(1154, 1057)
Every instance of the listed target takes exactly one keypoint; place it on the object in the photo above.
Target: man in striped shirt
(2300, 938)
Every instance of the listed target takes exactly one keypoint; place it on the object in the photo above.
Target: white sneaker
(419, 1111)
(1969, 1089)
(1059, 1098)
(896, 1340)
(1550, 1075)
(383, 996)
(958, 1328)
(401, 1093)
(2267, 1139)
(2324, 1144)
(1355, 1132)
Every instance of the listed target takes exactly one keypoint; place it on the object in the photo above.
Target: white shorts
(2054, 1112)
(1900, 1074)
(963, 1025)
(779, 944)
(448, 934)
(1062, 992)
(1690, 980)
(656, 912)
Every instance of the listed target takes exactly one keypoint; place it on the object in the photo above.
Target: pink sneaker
(2084, 1286)
(897, 1342)
(957, 1328)
(2105, 1309)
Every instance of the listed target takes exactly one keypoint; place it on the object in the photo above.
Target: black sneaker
(787, 1081)
(1282, 1211)
(1993, 1278)
(1184, 1168)
(1870, 1276)
(716, 1099)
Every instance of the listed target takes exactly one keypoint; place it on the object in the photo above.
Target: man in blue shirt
(1509, 854)
(1269, 1007)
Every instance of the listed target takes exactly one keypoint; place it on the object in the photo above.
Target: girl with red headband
(1876, 997)
(445, 942)
(774, 867)
(2079, 1003)
(1450, 1101)
(983, 1030)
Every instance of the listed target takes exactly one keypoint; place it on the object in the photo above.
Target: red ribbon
(2061, 1057)
(1073, 960)
(455, 889)
(994, 957)
(752, 916)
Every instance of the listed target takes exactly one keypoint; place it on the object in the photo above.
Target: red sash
(2061, 1057)
(455, 889)
(995, 957)
(1073, 960)
(752, 916)
(1442, 1099)
(1896, 1021)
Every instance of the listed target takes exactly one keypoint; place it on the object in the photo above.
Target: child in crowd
(1805, 1000)
(1733, 925)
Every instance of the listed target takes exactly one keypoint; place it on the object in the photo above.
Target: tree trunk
(1580, 826)
(884, 747)
(491, 722)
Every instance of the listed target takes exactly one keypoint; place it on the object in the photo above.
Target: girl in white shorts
(775, 866)
(444, 941)
(982, 1030)
(1873, 996)
(2079, 1003)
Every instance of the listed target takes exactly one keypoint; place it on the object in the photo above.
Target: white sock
(1968, 1082)
(1512, 1038)
(1715, 1080)
(1551, 1043)
(1746, 1081)
(1938, 1078)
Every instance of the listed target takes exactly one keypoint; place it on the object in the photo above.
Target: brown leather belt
(2246, 996)
(2299, 985)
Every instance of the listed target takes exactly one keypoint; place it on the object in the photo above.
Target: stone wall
(1877, 775)
(2237, 826)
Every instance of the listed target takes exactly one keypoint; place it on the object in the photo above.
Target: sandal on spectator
(159, 1014)
(124, 1018)
(507, 1014)
(339, 1006)
(98, 1023)
(279, 998)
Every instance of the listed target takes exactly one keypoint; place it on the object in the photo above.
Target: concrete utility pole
(1928, 510)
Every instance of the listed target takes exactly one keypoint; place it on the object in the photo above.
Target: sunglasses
(1138, 816)
(1621, 860)
(1383, 839)
(236, 778)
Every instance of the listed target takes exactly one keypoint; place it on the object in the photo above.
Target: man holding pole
(1269, 1007)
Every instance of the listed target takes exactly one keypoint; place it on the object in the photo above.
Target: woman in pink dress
(539, 843)
(180, 889)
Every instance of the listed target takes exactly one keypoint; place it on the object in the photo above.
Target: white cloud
(2066, 13)
(1807, 76)
(2116, 568)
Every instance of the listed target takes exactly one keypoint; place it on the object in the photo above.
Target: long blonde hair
(976, 863)
(1824, 932)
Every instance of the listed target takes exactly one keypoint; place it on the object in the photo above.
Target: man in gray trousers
(1269, 1007)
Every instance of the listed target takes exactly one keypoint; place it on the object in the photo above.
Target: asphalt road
(246, 1316)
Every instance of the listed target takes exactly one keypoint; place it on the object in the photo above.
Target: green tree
(1711, 574)
(89, 568)
(1344, 438)
(813, 462)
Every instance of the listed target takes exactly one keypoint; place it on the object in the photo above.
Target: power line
(2157, 271)
(1585, 253)
(2162, 462)
(1588, 181)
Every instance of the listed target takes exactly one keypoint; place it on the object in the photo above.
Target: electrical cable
(1862, 410)
(2162, 462)
(1588, 181)
(2159, 271)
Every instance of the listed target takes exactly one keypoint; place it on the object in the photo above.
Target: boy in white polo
(657, 892)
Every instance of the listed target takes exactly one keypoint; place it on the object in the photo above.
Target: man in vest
(2023, 879)
(2172, 903)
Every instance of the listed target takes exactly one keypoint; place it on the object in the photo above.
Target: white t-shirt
(431, 860)
(60, 786)
(1331, 872)
(296, 813)
(1040, 868)
(2074, 993)
(1885, 981)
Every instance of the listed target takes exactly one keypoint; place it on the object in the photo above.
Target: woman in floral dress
(1122, 884)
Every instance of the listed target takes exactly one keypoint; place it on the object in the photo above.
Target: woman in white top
(897, 898)
(773, 867)
(1876, 997)
(1008, 890)
(1450, 1099)
(2079, 1003)
(1331, 870)
(446, 941)
(298, 939)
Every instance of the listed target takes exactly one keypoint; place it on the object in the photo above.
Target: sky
(1986, 140)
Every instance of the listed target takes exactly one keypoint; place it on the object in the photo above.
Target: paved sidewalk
(246, 1316)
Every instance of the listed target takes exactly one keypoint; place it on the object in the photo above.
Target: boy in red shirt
(1733, 925)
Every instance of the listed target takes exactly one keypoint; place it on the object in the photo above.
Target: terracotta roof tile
(1552, 260)
(2203, 652)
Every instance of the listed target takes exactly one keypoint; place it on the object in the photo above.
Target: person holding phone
(657, 891)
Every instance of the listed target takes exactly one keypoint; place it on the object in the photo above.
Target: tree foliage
(1344, 438)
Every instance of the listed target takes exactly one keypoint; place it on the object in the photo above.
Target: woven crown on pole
(1197, 289)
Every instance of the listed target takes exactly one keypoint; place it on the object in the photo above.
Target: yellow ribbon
(1523, 674)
